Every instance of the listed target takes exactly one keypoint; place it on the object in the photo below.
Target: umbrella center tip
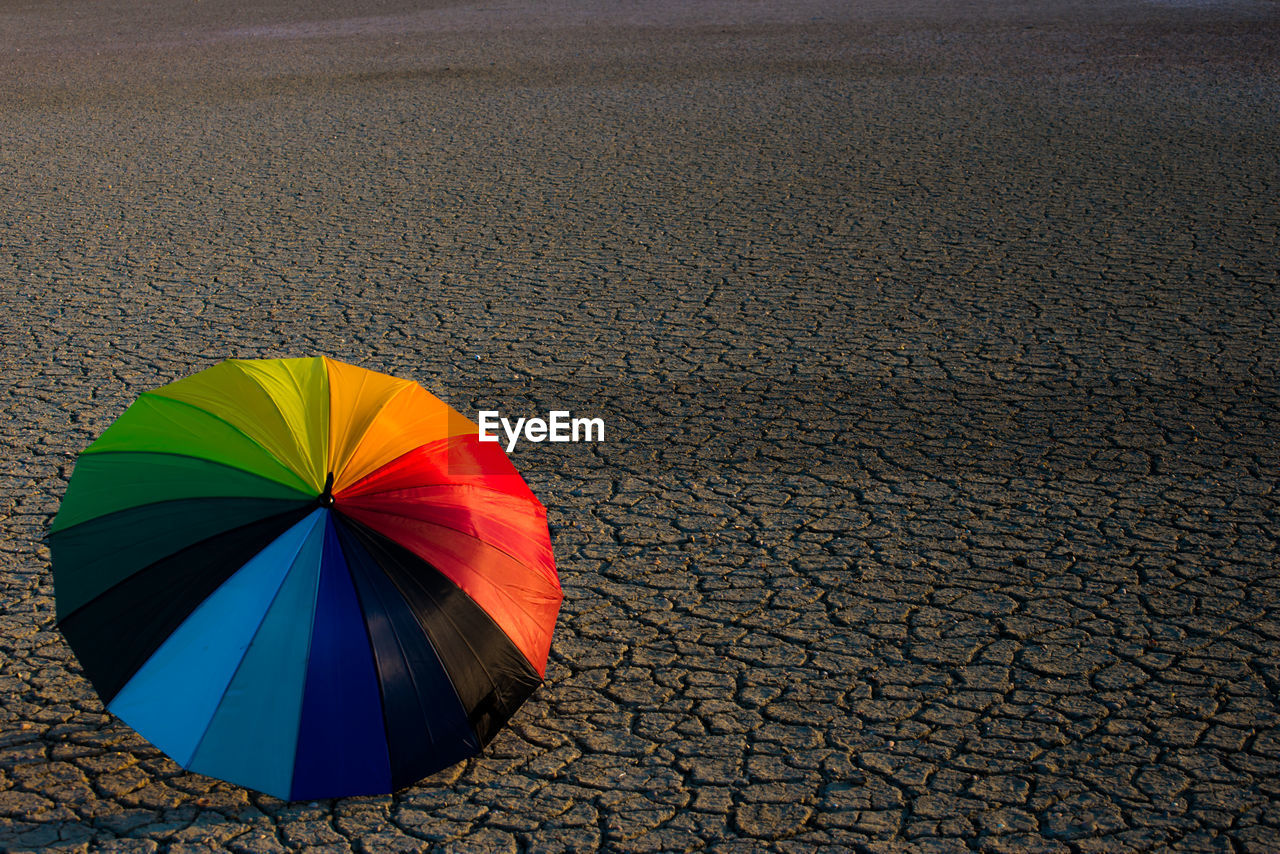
(326, 497)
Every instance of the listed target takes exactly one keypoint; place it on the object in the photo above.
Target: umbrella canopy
(304, 577)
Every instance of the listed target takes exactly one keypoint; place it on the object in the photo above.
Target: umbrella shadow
(93, 779)
(97, 779)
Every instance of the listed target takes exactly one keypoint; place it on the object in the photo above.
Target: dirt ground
(936, 345)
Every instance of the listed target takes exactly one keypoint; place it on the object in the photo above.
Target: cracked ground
(937, 348)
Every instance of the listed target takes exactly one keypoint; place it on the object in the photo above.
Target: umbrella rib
(399, 648)
(212, 462)
(300, 502)
(297, 444)
(239, 664)
(415, 449)
(372, 420)
(496, 684)
(373, 649)
(283, 464)
(406, 389)
(413, 678)
(158, 560)
(535, 503)
(502, 551)
(300, 440)
(306, 659)
(420, 484)
(478, 539)
(445, 614)
(335, 465)
(502, 589)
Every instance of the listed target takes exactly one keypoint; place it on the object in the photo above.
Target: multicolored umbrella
(304, 577)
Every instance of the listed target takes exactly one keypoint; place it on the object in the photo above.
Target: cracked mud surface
(938, 352)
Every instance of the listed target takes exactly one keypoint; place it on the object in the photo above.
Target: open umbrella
(304, 577)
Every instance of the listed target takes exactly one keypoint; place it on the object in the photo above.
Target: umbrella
(304, 577)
